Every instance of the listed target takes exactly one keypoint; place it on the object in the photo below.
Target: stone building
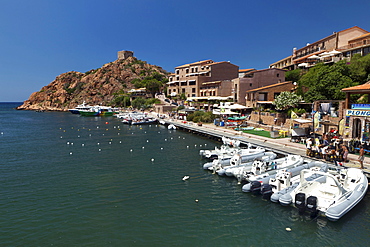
(333, 48)
(188, 79)
(125, 54)
(255, 79)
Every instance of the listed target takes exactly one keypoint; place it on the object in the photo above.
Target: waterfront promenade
(282, 145)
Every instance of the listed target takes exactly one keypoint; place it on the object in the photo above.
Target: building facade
(255, 79)
(264, 96)
(333, 48)
(188, 79)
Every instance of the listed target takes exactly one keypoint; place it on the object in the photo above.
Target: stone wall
(125, 54)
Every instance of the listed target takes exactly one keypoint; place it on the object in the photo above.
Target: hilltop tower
(125, 54)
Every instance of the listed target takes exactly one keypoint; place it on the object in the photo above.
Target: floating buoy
(106, 123)
(187, 146)
(99, 149)
(195, 145)
(89, 134)
(152, 160)
(67, 143)
(130, 150)
(165, 140)
(196, 200)
(78, 136)
(143, 147)
(288, 229)
(120, 141)
(61, 137)
(82, 144)
(147, 140)
(78, 129)
(72, 143)
(161, 148)
(205, 144)
(185, 178)
(110, 142)
(118, 133)
(70, 153)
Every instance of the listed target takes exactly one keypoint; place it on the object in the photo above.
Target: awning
(223, 112)
(299, 120)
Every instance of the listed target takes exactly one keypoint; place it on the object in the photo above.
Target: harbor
(73, 180)
(279, 145)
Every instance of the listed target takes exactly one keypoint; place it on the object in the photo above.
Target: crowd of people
(330, 148)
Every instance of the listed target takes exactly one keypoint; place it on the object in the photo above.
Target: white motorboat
(262, 169)
(287, 180)
(171, 127)
(330, 195)
(236, 165)
(81, 107)
(245, 155)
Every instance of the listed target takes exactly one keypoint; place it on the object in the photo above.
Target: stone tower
(125, 54)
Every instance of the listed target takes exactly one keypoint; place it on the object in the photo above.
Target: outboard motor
(311, 206)
(300, 202)
(266, 191)
(255, 187)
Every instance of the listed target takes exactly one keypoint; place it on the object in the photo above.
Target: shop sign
(358, 113)
(360, 106)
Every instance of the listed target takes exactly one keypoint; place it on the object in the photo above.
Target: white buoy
(171, 138)
(61, 137)
(118, 133)
(165, 140)
(130, 150)
(110, 142)
(72, 143)
(196, 200)
(187, 146)
(82, 144)
(99, 149)
(288, 229)
(89, 134)
(143, 147)
(98, 143)
(195, 145)
(78, 136)
(161, 148)
(152, 160)
(185, 178)
(205, 144)
(147, 140)
(70, 153)
(200, 145)
(2, 133)
(120, 141)
(67, 143)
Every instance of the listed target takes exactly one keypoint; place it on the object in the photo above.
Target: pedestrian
(308, 146)
(345, 153)
(361, 156)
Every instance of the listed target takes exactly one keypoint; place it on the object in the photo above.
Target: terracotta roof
(245, 70)
(269, 86)
(195, 63)
(309, 55)
(354, 27)
(359, 88)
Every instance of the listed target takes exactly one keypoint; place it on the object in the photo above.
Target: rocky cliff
(97, 86)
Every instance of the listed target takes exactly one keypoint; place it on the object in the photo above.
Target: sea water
(68, 180)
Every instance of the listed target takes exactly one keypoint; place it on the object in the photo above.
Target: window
(183, 90)
(193, 90)
(277, 75)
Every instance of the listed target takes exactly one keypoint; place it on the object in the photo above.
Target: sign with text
(358, 113)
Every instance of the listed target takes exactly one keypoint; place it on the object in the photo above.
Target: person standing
(361, 156)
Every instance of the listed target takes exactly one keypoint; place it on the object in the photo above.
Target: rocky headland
(97, 86)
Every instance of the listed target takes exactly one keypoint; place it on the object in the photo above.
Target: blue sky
(41, 39)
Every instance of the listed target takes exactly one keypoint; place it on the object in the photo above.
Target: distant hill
(97, 86)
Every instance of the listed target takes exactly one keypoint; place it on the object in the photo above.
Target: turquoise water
(68, 180)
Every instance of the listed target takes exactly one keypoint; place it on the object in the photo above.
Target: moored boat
(330, 195)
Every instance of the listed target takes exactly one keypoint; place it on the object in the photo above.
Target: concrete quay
(279, 145)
